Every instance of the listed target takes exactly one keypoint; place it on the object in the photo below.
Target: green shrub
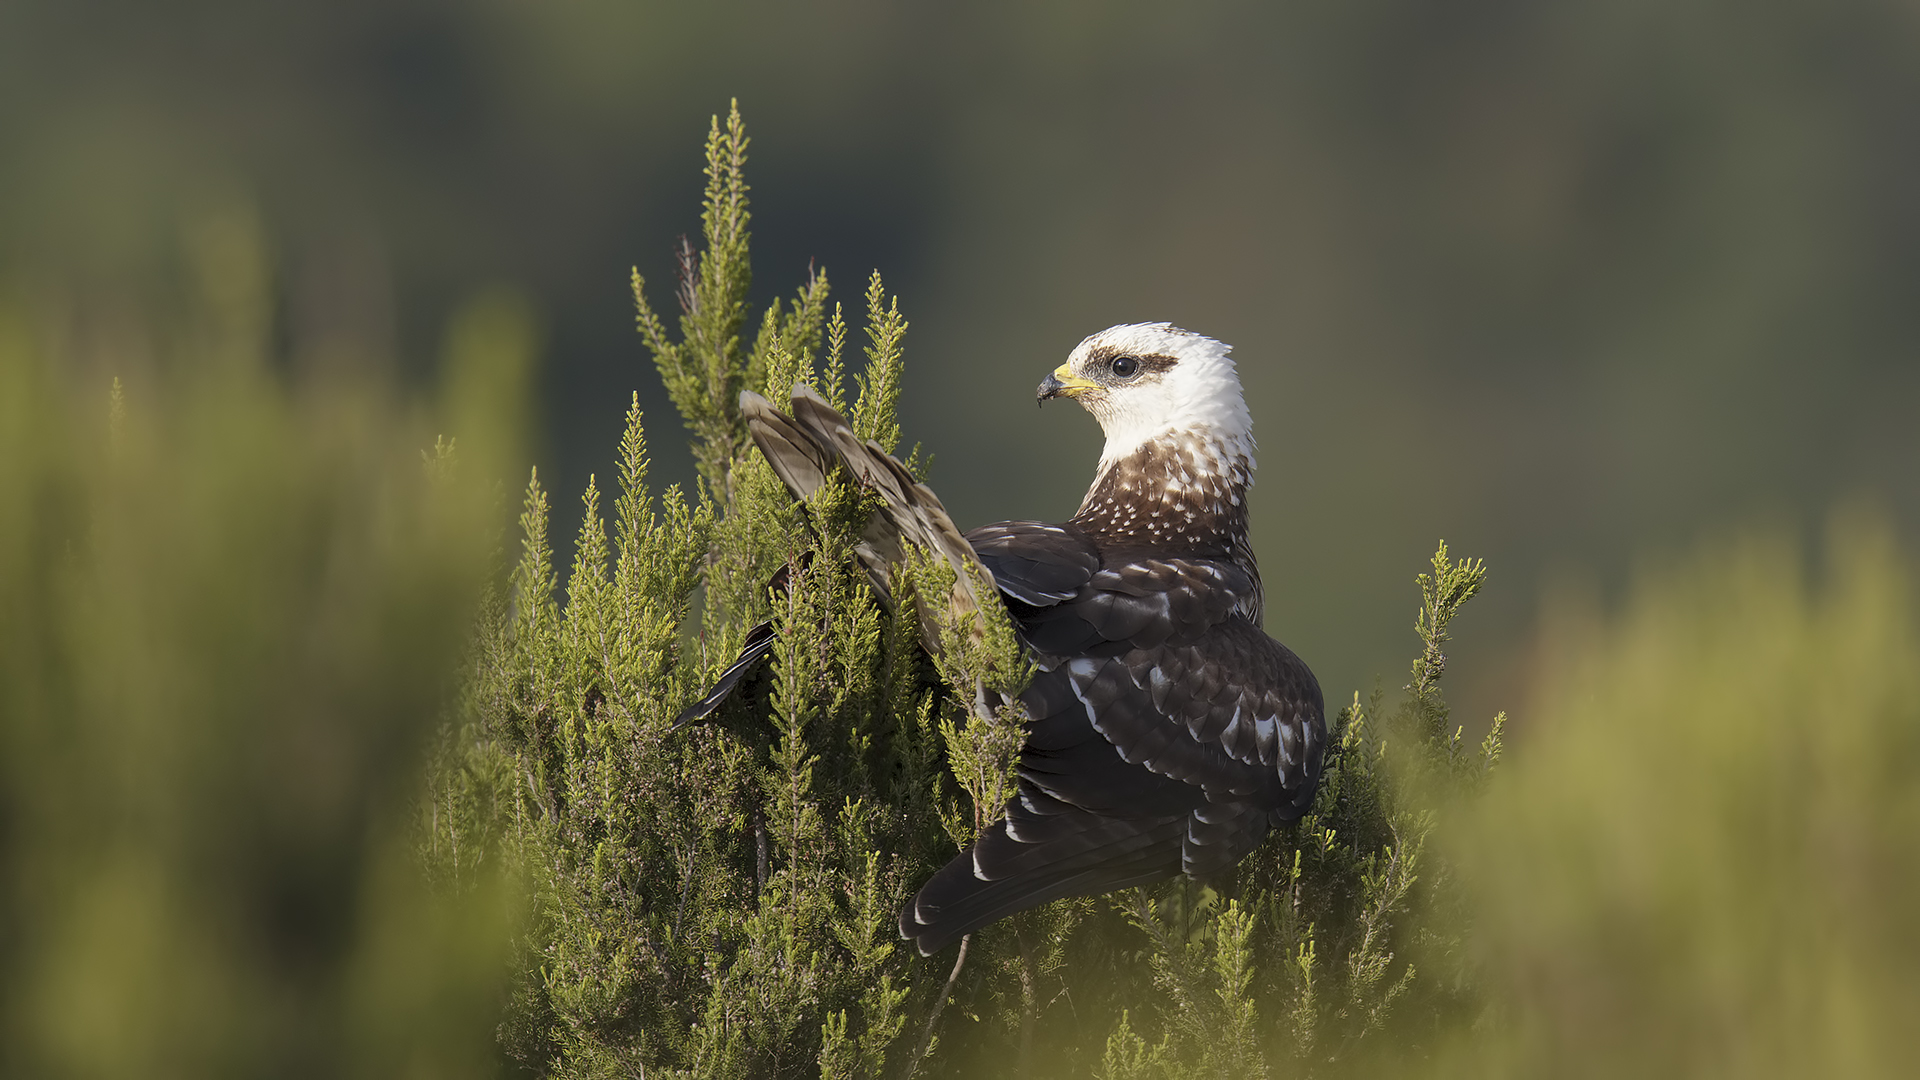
(719, 901)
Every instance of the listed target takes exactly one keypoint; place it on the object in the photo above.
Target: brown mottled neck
(1182, 494)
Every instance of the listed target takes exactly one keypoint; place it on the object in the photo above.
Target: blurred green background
(1703, 863)
(1569, 285)
(1558, 282)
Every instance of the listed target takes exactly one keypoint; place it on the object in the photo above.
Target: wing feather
(1166, 731)
(812, 441)
(1037, 564)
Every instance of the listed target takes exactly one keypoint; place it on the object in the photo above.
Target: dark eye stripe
(1149, 364)
(1154, 364)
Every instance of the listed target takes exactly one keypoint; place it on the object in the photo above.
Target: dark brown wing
(1166, 732)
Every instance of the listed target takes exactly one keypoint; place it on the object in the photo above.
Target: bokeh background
(1562, 283)
(1565, 284)
(1605, 293)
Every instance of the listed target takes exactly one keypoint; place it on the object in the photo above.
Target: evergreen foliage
(720, 901)
(1707, 862)
(232, 610)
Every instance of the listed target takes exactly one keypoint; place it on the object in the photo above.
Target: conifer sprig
(703, 372)
(873, 415)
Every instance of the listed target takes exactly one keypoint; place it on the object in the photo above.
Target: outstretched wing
(806, 448)
(1166, 731)
(813, 442)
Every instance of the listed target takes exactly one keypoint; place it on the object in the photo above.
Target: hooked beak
(1064, 383)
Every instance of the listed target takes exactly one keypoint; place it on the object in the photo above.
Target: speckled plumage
(1166, 731)
(1183, 493)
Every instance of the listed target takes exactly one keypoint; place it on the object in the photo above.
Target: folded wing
(1166, 732)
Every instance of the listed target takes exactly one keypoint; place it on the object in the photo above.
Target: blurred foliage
(1704, 860)
(720, 900)
(1560, 281)
(1609, 273)
(233, 609)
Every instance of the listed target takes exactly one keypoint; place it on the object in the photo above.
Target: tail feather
(958, 899)
(1025, 845)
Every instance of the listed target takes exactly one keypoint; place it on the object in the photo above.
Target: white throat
(1230, 434)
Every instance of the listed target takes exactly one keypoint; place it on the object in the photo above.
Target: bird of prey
(1165, 731)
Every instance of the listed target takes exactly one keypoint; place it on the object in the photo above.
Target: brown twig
(939, 1005)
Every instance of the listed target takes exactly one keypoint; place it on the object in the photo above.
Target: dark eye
(1126, 367)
